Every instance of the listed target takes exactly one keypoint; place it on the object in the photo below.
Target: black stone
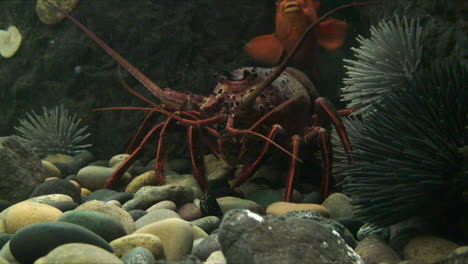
(4, 204)
(138, 170)
(101, 194)
(65, 206)
(100, 163)
(180, 166)
(58, 186)
(266, 197)
(63, 168)
(313, 197)
(208, 224)
(207, 246)
(137, 214)
(36, 240)
(84, 199)
(352, 224)
(122, 197)
(104, 225)
(399, 241)
(71, 177)
(217, 188)
(80, 160)
(4, 238)
(220, 187)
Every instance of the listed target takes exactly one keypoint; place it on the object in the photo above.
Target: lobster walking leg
(347, 111)
(160, 152)
(249, 171)
(137, 138)
(326, 110)
(197, 164)
(114, 178)
(319, 136)
(327, 157)
(292, 170)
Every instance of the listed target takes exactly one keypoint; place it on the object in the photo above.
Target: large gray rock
(334, 225)
(247, 238)
(20, 170)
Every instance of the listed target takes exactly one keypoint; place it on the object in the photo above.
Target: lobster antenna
(132, 91)
(141, 77)
(250, 98)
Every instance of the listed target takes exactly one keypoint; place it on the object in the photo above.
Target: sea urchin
(55, 131)
(383, 62)
(408, 159)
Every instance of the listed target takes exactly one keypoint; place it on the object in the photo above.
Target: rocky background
(177, 44)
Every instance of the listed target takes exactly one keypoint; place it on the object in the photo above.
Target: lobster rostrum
(248, 103)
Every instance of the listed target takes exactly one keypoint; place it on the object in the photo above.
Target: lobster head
(231, 87)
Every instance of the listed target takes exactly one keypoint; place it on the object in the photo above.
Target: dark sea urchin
(383, 62)
(55, 131)
(409, 158)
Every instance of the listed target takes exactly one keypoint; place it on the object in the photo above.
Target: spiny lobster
(250, 102)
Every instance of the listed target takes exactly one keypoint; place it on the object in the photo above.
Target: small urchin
(383, 62)
(55, 131)
(409, 158)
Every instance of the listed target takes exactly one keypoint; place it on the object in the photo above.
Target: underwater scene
(208, 131)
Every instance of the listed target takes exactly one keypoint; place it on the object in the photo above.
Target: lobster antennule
(248, 100)
(166, 96)
(200, 122)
